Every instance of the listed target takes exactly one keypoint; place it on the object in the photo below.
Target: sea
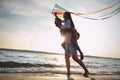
(53, 64)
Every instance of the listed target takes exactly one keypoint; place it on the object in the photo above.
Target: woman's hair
(68, 16)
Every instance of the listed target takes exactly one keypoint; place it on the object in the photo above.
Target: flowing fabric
(101, 14)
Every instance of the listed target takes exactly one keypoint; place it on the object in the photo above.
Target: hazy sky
(29, 24)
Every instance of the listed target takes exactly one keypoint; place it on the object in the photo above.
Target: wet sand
(51, 78)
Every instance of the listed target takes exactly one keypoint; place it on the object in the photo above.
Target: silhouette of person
(70, 44)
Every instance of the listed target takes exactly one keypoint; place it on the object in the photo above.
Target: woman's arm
(58, 21)
(75, 44)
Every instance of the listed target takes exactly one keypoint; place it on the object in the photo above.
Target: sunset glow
(30, 25)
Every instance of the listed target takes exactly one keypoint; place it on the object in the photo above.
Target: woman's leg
(75, 58)
(67, 59)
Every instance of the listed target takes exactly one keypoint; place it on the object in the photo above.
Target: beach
(38, 78)
(52, 78)
(31, 65)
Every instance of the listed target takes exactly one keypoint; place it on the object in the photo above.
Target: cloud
(7, 25)
(26, 8)
(25, 15)
(43, 3)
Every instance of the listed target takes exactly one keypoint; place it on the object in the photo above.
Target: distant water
(32, 62)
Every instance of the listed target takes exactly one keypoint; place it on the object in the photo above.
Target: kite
(101, 14)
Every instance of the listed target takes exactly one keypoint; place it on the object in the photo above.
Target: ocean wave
(15, 67)
(16, 64)
(54, 71)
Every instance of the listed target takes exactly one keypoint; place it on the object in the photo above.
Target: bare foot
(86, 74)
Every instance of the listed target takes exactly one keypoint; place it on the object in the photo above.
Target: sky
(29, 25)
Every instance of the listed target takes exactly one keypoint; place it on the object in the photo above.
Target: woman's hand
(55, 14)
(81, 56)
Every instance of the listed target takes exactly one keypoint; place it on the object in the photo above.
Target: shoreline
(38, 76)
(21, 77)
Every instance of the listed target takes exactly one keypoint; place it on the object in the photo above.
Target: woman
(70, 44)
(66, 28)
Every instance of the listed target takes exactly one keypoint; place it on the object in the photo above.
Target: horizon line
(45, 52)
